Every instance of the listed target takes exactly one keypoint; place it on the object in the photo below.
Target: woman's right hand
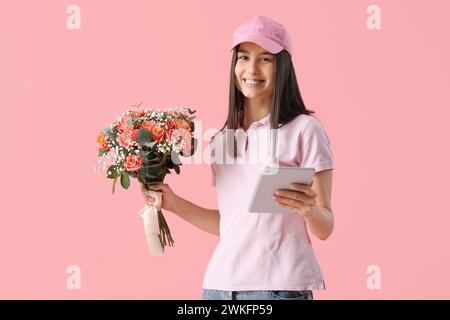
(168, 196)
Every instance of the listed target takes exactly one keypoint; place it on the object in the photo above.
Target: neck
(256, 109)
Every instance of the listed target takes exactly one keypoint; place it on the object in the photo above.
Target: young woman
(266, 255)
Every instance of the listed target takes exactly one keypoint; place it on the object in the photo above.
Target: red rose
(134, 134)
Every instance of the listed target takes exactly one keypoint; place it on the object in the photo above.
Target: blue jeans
(210, 294)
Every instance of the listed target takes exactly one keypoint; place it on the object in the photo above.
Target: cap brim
(266, 43)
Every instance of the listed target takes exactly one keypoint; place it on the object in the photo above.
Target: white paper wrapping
(149, 216)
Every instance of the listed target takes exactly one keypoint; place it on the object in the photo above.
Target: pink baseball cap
(266, 33)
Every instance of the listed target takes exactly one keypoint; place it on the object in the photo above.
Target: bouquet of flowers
(146, 144)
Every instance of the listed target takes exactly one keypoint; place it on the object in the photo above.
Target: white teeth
(253, 81)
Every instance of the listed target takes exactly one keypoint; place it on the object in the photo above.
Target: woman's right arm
(206, 219)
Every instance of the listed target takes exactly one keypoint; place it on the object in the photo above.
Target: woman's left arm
(312, 202)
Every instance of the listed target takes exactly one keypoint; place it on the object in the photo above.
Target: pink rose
(133, 162)
(125, 139)
(123, 126)
(158, 133)
(149, 125)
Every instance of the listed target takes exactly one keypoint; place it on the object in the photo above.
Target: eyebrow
(243, 51)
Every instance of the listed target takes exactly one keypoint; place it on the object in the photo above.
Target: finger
(288, 201)
(302, 188)
(155, 186)
(296, 195)
(144, 189)
(284, 205)
(306, 201)
(162, 186)
(298, 210)
(289, 194)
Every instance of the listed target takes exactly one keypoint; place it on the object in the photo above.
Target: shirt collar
(261, 122)
(264, 120)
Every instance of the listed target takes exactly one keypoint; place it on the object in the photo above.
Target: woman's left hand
(300, 198)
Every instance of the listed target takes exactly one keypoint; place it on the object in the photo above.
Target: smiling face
(254, 71)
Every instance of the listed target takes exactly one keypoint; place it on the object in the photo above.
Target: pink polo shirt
(264, 251)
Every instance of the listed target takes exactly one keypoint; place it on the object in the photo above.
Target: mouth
(253, 82)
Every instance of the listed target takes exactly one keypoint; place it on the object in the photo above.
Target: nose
(252, 66)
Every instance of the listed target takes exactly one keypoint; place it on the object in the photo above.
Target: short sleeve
(315, 147)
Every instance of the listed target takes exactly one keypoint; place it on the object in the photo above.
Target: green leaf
(125, 180)
(145, 154)
(143, 136)
(177, 168)
(112, 172)
(192, 125)
(130, 123)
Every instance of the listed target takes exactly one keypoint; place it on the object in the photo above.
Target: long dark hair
(287, 102)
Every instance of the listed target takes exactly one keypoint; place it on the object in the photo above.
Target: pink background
(382, 96)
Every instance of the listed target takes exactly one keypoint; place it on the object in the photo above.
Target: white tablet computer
(270, 180)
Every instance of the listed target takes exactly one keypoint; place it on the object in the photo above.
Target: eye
(239, 58)
(266, 59)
